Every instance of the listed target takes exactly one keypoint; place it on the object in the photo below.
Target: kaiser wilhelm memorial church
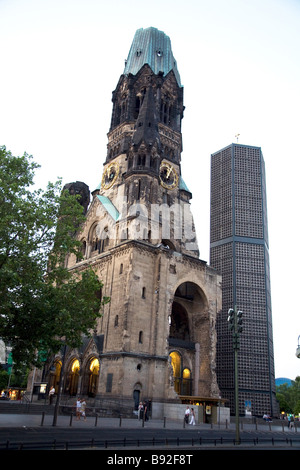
(156, 340)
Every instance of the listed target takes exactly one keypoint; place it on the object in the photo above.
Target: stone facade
(156, 339)
(145, 283)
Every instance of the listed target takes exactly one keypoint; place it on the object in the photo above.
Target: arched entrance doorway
(137, 389)
(55, 375)
(73, 378)
(188, 327)
(91, 377)
(176, 366)
(181, 375)
(186, 387)
(188, 319)
(94, 370)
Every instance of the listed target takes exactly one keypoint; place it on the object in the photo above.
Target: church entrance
(73, 378)
(93, 375)
(54, 377)
(181, 375)
(187, 314)
(136, 398)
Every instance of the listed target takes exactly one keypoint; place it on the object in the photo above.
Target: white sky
(240, 68)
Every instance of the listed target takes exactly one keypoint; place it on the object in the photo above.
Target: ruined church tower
(156, 339)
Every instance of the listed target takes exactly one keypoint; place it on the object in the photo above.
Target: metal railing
(154, 442)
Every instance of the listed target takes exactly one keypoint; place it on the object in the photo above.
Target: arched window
(93, 238)
(55, 375)
(73, 377)
(140, 337)
(94, 370)
(186, 382)
(83, 250)
(176, 365)
(104, 242)
(182, 377)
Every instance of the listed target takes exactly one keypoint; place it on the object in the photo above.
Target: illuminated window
(186, 386)
(75, 366)
(94, 366)
(72, 383)
(176, 365)
(182, 378)
(94, 370)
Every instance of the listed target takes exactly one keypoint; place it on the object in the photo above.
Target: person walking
(78, 409)
(187, 414)
(192, 414)
(82, 409)
(140, 411)
(146, 417)
(51, 394)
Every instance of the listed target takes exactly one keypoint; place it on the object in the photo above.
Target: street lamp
(60, 386)
(298, 349)
(235, 325)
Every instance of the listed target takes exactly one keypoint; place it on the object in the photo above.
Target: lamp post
(235, 325)
(298, 348)
(60, 385)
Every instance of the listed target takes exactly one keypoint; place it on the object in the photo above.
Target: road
(38, 433)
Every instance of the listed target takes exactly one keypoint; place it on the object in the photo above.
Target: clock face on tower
(110, 175)
(168, 176)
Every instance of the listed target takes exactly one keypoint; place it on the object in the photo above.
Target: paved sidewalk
(11, 420)
(33, 420)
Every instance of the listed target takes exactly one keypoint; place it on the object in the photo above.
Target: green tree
(284, 404)
(289, 396)
(41, 300)
(4, 377)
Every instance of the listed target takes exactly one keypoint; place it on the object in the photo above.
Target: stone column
(197, 369)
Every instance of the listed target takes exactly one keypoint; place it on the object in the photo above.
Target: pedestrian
(82, 409)
(187, 414)
(51, 394)
(149, 408)
(267, 418)
(140, 410)
(192, 414)
(146, 411)
(78, 409)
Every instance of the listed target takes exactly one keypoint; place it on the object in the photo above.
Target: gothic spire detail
(146, 128)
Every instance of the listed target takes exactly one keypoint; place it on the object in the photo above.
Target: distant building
(239, 250)
(283, 380)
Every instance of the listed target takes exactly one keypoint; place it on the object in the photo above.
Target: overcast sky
(240, 68)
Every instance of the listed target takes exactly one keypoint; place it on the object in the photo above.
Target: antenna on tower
(237, 137)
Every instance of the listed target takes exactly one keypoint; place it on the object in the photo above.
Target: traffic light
(236, 341)
(239, 321)
(230, 319)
